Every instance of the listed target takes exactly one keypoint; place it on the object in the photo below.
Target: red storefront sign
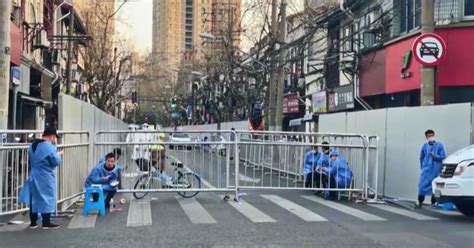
(454, 70)
(291, 104)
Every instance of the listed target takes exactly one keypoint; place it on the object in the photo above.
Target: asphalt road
(279, 218)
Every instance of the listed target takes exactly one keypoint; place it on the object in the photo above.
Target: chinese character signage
(291, 104)
(319, 103)
(341, 98)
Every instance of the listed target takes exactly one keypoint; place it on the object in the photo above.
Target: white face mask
(431, 139)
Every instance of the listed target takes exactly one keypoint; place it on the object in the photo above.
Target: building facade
(362, 56)
(177, 26)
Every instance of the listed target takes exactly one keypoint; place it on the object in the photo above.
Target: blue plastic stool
(89, 205)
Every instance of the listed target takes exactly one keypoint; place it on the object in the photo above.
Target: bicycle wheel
(143, 182)
(189, 180)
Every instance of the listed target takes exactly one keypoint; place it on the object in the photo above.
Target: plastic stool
(89, 205)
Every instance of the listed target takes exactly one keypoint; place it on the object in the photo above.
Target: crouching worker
(340, 175)
(106, 174)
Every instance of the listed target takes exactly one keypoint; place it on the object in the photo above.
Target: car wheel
(466, 208)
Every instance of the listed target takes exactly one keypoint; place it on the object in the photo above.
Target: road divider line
(345, 209)
(251, 212)
(80, 221)
(404, 212)
(195, 211)
(303, 213)
(139, 213)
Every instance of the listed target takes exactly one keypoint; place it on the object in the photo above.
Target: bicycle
(180, 180)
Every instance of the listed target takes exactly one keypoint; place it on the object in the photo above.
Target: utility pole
(273, 83)
(5, 11)
(281, 67)
(427, 89)
(69, 52)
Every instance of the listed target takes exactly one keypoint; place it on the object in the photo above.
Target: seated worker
(310, 159)
(340, 175)
(118, 153)
(105, 174)
(323, 162)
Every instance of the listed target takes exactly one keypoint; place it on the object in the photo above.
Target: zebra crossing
(255, 210)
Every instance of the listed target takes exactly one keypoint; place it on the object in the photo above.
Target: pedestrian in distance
(431, 157)
(39, 190)
(106, 174)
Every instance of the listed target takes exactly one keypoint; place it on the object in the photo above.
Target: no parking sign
(429, 49)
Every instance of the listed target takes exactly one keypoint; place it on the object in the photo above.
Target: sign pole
(427, 87)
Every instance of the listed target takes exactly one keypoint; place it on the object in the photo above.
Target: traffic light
(173, 103)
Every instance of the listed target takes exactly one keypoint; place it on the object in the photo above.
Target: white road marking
(81, 221)
(404, 212)
(345, 209)
(139, 213)
(294, 208)
(251, 212)
(248, 179)
(195, 211)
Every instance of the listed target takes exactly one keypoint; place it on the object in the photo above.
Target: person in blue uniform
(39, 190)
(431, 157)
(118, 153)
(339, 173)
(320, 177)
(105, 174)
(310, 160)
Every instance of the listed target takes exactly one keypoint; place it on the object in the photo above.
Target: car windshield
(181, 135)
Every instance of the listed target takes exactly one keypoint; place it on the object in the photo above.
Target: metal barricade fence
(275, 160)
(373, 172)
(14, 166)
(207, 154)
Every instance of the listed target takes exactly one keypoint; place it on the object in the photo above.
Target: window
(410, 15)
(347, 39)
(469, 8)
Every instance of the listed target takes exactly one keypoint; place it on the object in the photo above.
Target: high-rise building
(177, 25)
(226, 20)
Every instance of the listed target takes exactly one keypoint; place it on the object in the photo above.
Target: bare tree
(105, 59)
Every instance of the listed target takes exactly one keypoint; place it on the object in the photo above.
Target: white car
(456, 181)
(181, 138)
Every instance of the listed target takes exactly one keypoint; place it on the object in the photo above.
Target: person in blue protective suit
(118, 153)
(310, 160)
(339, 173)
(105, 174)
(39, 190)
(431, 157)
(323, 162)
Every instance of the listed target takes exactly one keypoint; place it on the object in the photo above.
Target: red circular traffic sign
(429, 49)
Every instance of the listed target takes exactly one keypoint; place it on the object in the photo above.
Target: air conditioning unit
(41, 40)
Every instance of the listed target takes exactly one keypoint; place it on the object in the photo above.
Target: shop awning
(35, 100)
(295, 122)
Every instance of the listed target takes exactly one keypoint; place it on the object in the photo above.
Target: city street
(283, 218)
(263, 219)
